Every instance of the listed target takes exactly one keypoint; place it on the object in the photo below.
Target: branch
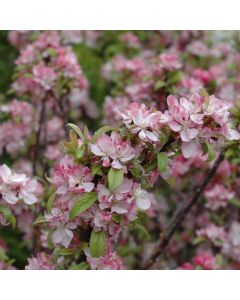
(38, 136)
(178, 218)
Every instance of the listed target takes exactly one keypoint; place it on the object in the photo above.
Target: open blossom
(142, 121)
(218, 196)
(231, 247)
(198, 48)
(16, 129)
(130, 39)
(45, 76)
(63, 236)
(15, 187)
(198, 118)
(204, 261)
(214, 233)
(70, 177)
(58, 219)
(110, 261)
(41, 262)
(121, 198)
(169, 61)
(113, 150)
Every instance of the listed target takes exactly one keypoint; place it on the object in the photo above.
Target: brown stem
(38, 135)
(64, 114)
(180, 215)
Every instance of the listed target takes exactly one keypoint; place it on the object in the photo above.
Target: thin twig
(181, 214)
(38, 136)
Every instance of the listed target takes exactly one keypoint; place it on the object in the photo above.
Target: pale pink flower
(15, 187)
(169, 61)
(142, 121)
(63, 235)
(110, 261)
(113, 150)
(231, 247)
(214, 233)
(41, 262)
(130, 39)
(71, 177)
(218, 196)
(44, 76)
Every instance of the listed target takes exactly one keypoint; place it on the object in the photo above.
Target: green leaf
(81, 266)
(208, 148)
(198, 240)
(115, 178)
(142, 231)
(51, 201)
(7, 213)
(159, 84)
(76, 129)
(63, 252)
(162, 162)
(235, 202)
(97, 243)
(3, 255)
(96, 170)
(175, 77)
(80, 152)
(102, 130)
(49, 239)
(82, 203)
(40, 219)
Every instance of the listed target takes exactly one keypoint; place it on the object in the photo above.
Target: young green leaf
(115, 178)
(3, 255)
(80, 152)
(162, 161)
(102, 130)
(97, 243)
(51, 201)
(82, 203)
(208, 148)
(40, 219)
(6, 211)
(82, 266)
(77, 129)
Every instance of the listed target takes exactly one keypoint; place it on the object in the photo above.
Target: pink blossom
(15, 187)
(169, 61)
(113, 150)
(214, 233)
(130, 39)
(231, 247)
(45, 76)
(218, 196)
(205, 261)
(142, 121)
(41, 262)
(63, 236)
(70, 177)
(110, 261)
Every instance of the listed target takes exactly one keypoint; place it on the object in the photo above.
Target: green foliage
(7, 57)
(115, 178)
(97, 243)
(162, 162)
(82, 204)
(6, 212)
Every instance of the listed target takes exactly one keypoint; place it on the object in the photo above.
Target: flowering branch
(181, 214)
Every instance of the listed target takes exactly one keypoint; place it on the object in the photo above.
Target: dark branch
(38, 137)
(181, 213)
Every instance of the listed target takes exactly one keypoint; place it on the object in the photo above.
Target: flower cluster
(108, 196)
